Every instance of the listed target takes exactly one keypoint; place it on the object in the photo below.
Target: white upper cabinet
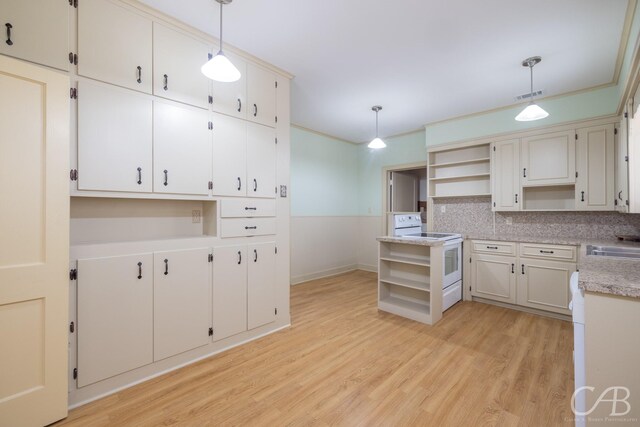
(261, 161)
(181, 308)
(595, 164)
(229, 291)
(261, 294)
(181, 149)
(231, 98)
(114, 139)
(505, 162)
(177, 59)
(23, 24)
(114, 45)
(621, 196)
(229, 156)
(548, 159)
(261, 93)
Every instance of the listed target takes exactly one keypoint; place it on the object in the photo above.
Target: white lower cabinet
(544, 285)
(261, 284)
(229, 291)
(181, 301)
(493, 277)
(115, 316)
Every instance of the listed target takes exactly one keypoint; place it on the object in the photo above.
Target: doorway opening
(405, 191)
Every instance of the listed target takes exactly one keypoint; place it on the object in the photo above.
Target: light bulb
(377, 143)
(220, 69)
(531, 113)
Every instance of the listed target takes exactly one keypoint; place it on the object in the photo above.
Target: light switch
(443, 208)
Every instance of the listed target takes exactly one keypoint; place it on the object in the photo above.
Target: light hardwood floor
(344, 363)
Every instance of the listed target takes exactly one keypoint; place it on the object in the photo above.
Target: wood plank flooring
(344, 363)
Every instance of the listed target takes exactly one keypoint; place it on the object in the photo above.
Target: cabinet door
(229, 291)
(545, 285)
(493, 277)
(621, 195)
(505, 174)
(261, 161)
(36, 31)
(115, 316)
(177, 59)
(181, 149)
(549, 159)
(261, 284)
(231, 98)
(261, 93)
(114, 45)
(114, 139)
(181, 301)
(229, 156)
(595, 163)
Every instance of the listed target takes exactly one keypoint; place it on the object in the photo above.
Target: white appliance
(579, 370)
(410, 226)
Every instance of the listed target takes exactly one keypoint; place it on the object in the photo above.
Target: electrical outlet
(509, 220)
(443, 209)
(195, 216)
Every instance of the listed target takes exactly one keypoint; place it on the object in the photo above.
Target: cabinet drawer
(488, 247)
(242, 227)
(246, 208)
(560, 253)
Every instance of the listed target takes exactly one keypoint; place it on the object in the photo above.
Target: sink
(614, 251)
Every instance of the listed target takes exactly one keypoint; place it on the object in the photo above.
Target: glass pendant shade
(531, 112)
(377, 143)
(220, 69)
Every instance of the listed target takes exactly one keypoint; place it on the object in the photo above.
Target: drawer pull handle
(139, 270)
(239, 105)
(239, 184)
(545, 252)
(255, 255)
(513, 268)
(255, 110)
(251, 228)
(522, 268)
(255, 184)
(620, 195)
(239, 257)
(492, 247)
(139, 176)
(166, 82)
(166, 267)
(9, 27)
(516, 198)
(247, 208)
(139, 80)
(524, 173)
(582, 196)
(166, 177)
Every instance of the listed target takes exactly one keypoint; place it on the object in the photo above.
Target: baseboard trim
(367, 267)
(297, 280)
(523, 309)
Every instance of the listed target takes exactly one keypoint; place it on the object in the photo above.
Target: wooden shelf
(407, 283)
(461, 162)
(406, 260)
(419, 308)
(445, 196)
(460, 177)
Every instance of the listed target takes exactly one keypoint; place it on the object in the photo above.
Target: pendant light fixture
(219, 68)
(376, 143)
(532, 111)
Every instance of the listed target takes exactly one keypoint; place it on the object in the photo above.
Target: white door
(114, 139)
(595, 163)
(229, 173)
(231, 98)
(181, 301)
(621, 195)
(229, 291)
(404, 192)
(261, 284)
(25, 22)
(181, 149)
(114, 44)
(545, 285)
(115, 316)
(634, 153)
(261, 161)
(261, 94)
(505, 165)
(494, 277)
(34, 247)
(177, 59)
(549, 159)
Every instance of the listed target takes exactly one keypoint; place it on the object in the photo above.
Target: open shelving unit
(459, 172)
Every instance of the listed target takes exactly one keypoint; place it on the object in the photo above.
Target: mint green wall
(324, 175)
(628, 55)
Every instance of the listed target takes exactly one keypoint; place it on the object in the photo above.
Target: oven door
(452, 259)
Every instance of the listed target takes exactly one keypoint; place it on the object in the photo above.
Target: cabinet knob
(9, 27)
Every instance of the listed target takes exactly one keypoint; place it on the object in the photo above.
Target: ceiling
(423, 61)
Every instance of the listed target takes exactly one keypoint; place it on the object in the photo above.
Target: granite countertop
(418, 241)
(606, 275)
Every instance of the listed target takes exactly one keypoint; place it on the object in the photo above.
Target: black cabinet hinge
(626, 115)
(276, 140)
(210, 258)
(210, 125)
(73, 274)
(209, 55)
(626, 158)
(276, 189)
(73, 93)
(75, 373)
(73, 3)
(73, 174)
(276, 84)
(576, 136)
(73, 58)
(276, 311)
(210, 99)
(469, 260)
(210, 332)
(210, 185)
(72, 327)
(615, 202)
(615, 131)
(494, 204)
(276, 249)
(276, 119)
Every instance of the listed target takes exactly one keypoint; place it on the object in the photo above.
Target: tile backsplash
(473, 215)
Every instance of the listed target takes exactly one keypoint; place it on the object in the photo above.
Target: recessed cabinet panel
(182, 307)
(505, 174)
(229, 291)
(114, 45)
(494, 277)
(548, 159)
(229, 156)
(261, 92)
(231, 98)
(23, 24)
(261, 161)
(261, 299)
(177, 59)
(115, 311)
(114, 139)
(545, 285)
(622, 167)
(595, 163)
(182, 149)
